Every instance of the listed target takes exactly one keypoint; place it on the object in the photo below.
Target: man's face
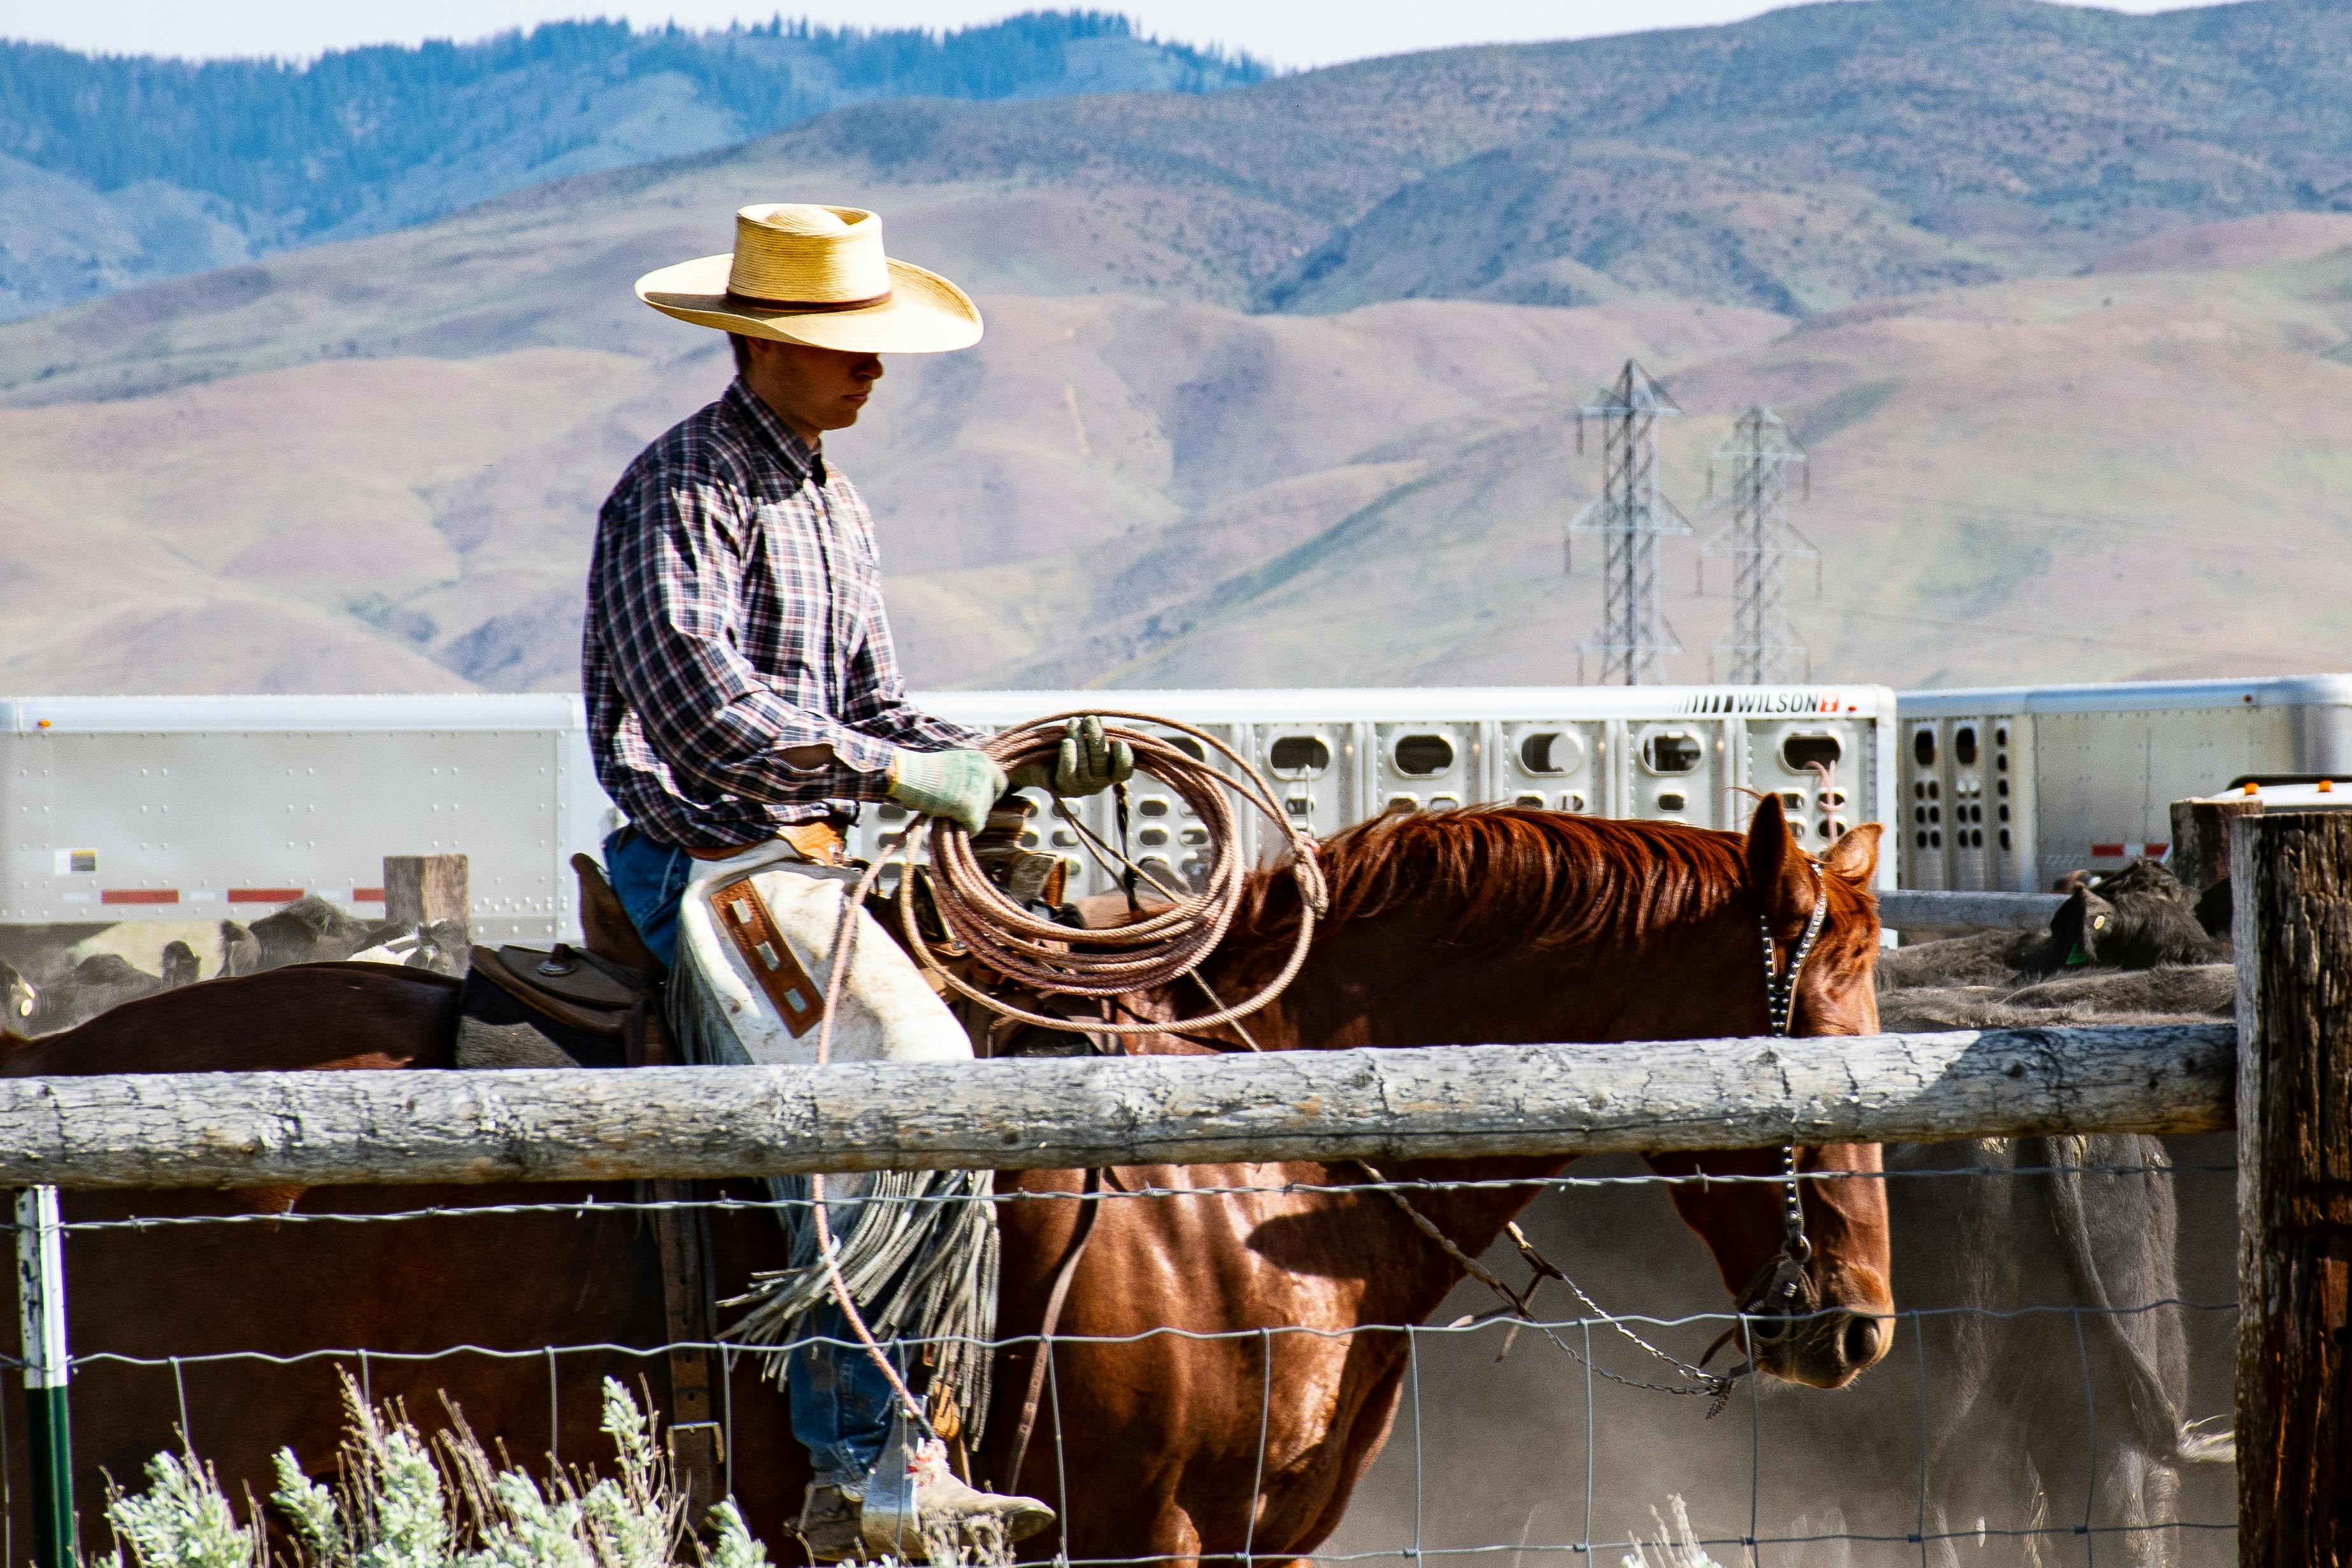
(812, 390)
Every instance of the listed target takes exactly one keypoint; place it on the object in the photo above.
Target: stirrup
(888, 1522)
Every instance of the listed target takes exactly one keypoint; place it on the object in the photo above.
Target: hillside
(1803, 160)
(1798, 162)
(122, 169)
(2044, 433)
(2040, 479)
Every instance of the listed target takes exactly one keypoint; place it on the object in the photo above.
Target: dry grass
(399, 1500)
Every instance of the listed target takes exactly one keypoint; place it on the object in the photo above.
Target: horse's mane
(1538, 878)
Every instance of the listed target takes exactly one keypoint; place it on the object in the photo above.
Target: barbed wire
(1936, 1478)
(1421, 1550)
(1563, 1181)
(1465, 1325)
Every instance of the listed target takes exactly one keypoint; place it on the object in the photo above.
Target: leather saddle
(594, 1005)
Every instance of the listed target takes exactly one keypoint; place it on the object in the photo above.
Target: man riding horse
(741, 688)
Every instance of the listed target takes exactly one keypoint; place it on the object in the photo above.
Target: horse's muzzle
(1825, 1349)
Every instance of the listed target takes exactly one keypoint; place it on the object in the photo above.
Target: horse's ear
(1855, 856)
(1778, 871)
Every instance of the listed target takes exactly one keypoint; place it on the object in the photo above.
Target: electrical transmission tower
(1632, 638)
(1764, 648)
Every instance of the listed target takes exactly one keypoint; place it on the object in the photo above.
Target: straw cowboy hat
(807, 274)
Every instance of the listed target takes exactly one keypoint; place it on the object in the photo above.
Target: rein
(1153, 950)
(1780, 1279)
(1148, 952)
(1783, 1276)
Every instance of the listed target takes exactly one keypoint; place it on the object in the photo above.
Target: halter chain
(1787, 1269)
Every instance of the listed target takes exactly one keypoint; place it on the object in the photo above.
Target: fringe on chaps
(917, 1248)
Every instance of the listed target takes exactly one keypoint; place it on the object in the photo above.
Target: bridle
(1775, 1296)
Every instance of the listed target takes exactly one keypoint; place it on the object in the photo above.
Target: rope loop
(1155, 949)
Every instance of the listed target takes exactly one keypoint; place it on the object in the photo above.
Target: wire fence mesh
(2006, 1427)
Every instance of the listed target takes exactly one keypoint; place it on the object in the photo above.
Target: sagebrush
(398, 1499)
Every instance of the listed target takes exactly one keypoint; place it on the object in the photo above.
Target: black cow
(2140, 918)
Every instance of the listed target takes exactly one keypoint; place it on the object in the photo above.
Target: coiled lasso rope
(1152, 951)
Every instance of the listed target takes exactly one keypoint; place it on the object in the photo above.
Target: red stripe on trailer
(2155, 851)
(140, 896)
(264, 895)
(2106, 851)
(367, 895)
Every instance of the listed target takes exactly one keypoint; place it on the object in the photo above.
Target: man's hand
(1088, 762)
(960, 786)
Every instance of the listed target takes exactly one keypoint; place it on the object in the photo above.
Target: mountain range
(122, 169)
(1280, 383)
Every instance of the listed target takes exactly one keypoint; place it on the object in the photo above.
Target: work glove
(958, 786)
(1087, 763)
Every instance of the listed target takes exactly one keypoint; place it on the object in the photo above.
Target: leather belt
(820, 842)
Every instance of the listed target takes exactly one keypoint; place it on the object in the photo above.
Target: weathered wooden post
(433, 893)
(2292, 876)
(2200, 837)
(41, 1320)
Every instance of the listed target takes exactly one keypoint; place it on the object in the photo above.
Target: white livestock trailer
(2007, 787)
(201, 809)
(182, 809)
(1337, 756)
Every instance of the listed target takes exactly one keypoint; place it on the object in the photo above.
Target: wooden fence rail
(226, 1130)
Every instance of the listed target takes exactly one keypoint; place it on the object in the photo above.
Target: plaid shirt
(735, 610)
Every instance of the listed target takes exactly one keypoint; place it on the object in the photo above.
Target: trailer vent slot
(1550, 752)
(1923, 747)
(1418, 756)
(1293, 756)
(1674, 753)
(1964, 745)
(1798, 752)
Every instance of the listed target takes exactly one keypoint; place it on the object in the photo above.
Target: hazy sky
(1289, 32)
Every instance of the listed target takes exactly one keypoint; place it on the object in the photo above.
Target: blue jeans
(840, 1400)
(648, 877)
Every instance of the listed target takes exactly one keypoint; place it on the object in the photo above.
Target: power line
(1764, 649)
(1633, 637)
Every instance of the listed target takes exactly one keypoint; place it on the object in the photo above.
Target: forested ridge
(277, 153)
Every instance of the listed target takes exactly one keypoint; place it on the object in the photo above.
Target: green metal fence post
(41, 1317)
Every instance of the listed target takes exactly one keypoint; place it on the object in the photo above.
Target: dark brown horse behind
(1499, 925)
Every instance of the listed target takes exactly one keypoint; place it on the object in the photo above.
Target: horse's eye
(2099, 922)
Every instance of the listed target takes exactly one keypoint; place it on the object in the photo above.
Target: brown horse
(1471, 926)
(1495, 925)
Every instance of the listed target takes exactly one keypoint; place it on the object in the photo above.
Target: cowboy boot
(938, 1517)
(829, 1524)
